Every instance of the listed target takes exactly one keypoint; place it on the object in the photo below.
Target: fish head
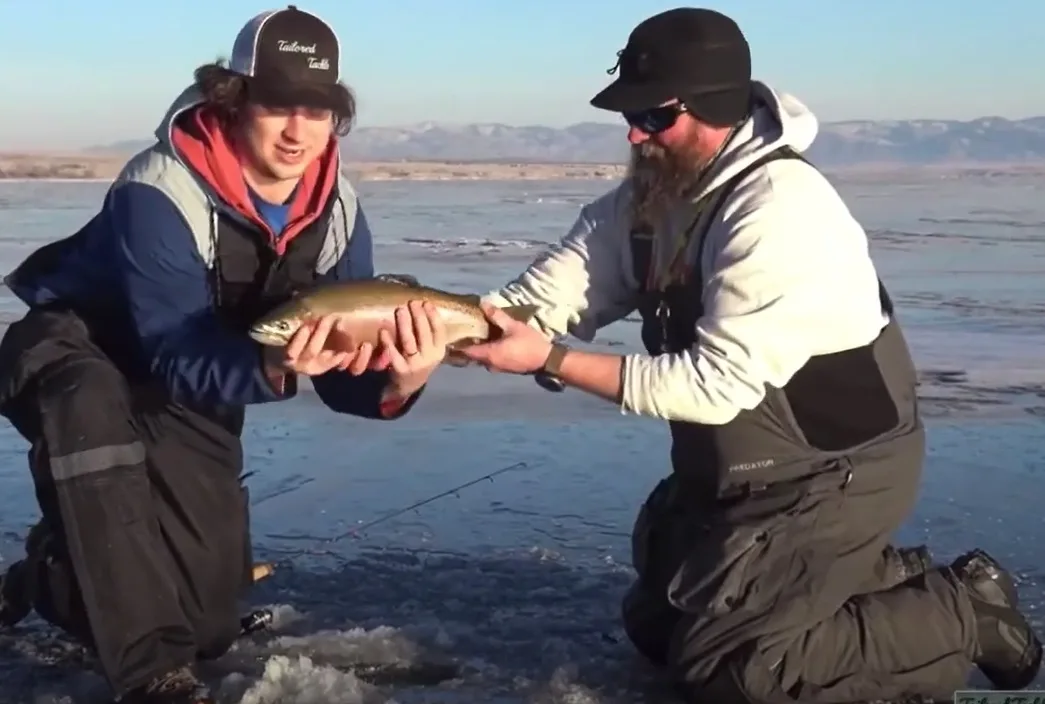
(276, 330)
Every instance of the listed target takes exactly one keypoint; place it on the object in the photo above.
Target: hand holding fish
(415, 349)
(317, 347)
(375, 314)
(520, 349)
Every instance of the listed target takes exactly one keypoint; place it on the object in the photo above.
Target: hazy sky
(83, 72)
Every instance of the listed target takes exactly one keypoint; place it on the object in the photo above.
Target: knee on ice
(727, 681)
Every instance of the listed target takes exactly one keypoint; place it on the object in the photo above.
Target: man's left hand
(520, 349)
(414, 351)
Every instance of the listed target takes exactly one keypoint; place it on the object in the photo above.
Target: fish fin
(456, 359)
(402, 279)
(523, 313)
(453, 352)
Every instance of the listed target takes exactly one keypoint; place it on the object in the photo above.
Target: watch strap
(553, 364)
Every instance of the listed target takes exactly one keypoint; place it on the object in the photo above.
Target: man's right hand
(315, 349)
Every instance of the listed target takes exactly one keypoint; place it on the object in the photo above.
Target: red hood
(203, 145)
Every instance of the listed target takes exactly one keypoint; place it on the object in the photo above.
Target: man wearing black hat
(131, 371)
(765, 571)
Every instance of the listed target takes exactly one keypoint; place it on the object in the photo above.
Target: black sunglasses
(655, 120)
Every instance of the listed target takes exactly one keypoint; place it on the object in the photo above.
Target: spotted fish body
(367, 306)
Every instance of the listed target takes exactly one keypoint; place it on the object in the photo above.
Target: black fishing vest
(837, 405)
(249, 278)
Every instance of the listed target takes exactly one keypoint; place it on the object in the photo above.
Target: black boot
(15, 599)
(649, 622)
(1008, 652)
(18, 584)
(179, 686)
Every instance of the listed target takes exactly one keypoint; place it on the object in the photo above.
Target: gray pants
(791, 594)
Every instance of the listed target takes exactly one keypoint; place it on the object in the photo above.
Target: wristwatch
(547, 376)
(553, 364)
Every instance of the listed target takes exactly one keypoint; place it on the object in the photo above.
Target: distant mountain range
(839, 144)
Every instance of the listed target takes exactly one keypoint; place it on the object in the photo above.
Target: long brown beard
(660, 179)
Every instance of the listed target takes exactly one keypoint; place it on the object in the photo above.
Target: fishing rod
(424, 502)
(262, 618)
(453, 491)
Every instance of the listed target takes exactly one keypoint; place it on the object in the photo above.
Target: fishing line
(263, 618)
(424, 502)
(360, 529)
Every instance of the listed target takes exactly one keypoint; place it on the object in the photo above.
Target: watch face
(549, 383)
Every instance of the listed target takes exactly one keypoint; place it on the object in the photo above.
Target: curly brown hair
(227, 93)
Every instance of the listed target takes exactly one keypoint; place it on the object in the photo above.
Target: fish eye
(283, 325)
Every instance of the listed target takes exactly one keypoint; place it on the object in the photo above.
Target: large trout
(368, 305)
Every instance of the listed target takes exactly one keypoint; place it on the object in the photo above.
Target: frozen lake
(518, 579)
